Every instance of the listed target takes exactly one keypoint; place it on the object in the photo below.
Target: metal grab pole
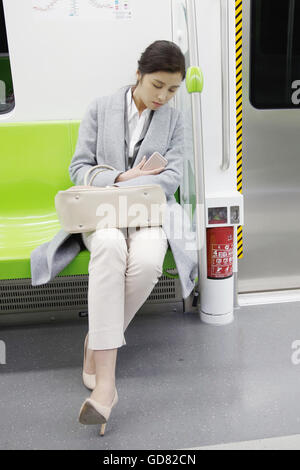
(224, 20)
(194, 83)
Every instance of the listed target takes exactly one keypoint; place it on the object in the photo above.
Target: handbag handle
(106, 167)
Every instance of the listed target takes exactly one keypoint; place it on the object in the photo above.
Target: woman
(126, 264)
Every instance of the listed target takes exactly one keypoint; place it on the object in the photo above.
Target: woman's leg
(106, 306)
(144, 260)
(107, 269)
(146, 254)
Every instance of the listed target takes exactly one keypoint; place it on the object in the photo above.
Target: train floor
(182, 384)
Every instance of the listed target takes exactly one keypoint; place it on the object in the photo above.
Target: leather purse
(86, 208)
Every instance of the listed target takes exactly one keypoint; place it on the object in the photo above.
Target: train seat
(34, 166)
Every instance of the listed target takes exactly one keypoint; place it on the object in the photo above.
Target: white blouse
(136, 123)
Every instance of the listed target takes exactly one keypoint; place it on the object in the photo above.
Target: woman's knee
(109, 240)
(149, 263)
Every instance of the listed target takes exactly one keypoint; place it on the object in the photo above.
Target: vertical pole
(194, 84)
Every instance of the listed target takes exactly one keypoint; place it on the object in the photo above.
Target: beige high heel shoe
(92, 412)
(89, 380)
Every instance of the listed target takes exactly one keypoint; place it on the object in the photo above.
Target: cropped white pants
(125, 264)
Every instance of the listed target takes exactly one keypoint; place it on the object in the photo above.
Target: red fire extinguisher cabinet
(219, 252)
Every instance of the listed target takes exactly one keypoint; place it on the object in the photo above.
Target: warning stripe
(239, 111)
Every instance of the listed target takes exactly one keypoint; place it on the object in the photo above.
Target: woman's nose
(162, 97)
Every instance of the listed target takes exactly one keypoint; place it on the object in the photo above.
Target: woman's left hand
(137, 171)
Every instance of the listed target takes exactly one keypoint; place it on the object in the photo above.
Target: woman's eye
(159, 87)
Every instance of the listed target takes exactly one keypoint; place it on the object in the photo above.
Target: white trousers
(125, 264)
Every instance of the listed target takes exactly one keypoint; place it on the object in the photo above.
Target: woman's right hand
(138, 171)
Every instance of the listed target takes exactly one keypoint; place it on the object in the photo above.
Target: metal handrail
(224, 21)
(198, 148)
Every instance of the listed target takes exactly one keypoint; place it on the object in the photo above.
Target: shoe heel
(92, 412)
(103, 426)
(102, 429)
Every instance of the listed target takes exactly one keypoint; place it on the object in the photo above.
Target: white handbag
(86, 208)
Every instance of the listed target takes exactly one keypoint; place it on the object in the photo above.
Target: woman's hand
(138, 171)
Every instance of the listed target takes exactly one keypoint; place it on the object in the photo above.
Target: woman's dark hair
(163, 56)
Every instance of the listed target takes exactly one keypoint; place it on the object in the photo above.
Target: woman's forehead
(167, 78)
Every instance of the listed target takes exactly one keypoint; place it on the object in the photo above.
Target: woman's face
(157, 88)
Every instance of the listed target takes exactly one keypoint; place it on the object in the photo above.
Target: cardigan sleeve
(170, 178)
(84, 157)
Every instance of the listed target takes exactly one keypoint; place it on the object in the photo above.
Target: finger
(153, 172)
(142, 162)
(159, 170)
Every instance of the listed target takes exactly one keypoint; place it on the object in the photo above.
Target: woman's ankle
(105, 384)
(90, 366)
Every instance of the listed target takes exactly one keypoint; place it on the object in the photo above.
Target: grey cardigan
(101, 139)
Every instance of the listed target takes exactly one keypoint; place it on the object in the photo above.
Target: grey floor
(182, 384)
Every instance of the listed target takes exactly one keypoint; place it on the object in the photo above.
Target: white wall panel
(59, 63)
(209, 45)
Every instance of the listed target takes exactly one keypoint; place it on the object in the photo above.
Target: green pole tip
(194, 80)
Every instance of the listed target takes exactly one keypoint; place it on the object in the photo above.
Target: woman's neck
(138, 102)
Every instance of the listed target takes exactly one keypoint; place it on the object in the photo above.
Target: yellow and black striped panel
(239, 111)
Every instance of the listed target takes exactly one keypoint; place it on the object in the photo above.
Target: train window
(275, 54)
(7, 100)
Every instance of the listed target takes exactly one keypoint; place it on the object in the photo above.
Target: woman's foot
(104, 393)
(94, 412)
(97, 408)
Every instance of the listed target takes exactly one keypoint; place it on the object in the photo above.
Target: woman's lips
(157, 104)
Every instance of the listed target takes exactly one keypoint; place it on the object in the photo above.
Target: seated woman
(120, 130)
